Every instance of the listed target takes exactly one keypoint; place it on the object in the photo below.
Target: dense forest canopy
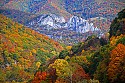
(27, 56)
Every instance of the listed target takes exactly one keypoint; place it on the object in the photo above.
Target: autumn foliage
(79, 75)
(24, 49)
(27, 56)
(116, 71)
(39, 77)
(52, 75)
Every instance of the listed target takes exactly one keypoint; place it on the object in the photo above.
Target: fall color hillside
(96, 60)
(22, 51)
(29, 57)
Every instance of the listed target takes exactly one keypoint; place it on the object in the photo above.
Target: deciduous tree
(116, 70)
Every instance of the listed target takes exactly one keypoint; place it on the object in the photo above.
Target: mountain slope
(66, 8)
(3, 2)
(22, 51)
(118, 25)
(25, 5)
(99, 13)
(94, 8)
(39, 7)
(16, 15)
(95, 58)
(59, 5)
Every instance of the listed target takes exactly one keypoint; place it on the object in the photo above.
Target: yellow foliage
(54, 52)
(83, 51)
(30, 54)
(79, 59)
(47, 59)
(68, 48)
(67, 57)
(34, 51)
(62, 67)
(15, 38)
(114, 39)
(38, 64)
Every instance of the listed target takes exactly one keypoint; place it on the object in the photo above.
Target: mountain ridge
(99, 13)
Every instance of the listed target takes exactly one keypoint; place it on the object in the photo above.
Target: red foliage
(52, 75)
(40, 76)
(79, 75)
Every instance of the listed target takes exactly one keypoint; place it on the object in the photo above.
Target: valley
(62, 41)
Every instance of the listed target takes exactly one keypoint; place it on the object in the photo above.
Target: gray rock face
(56, 27)
(52, 21)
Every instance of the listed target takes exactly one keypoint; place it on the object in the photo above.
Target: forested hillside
(22, 51)
(93, 61)
(29, 57)
(16, 15)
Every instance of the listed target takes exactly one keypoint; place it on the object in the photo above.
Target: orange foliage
(68, 48)
(42, 49)
(57, 46)
(79, 75)
(17, 39)
(116, 69)
(5, 45)
(33, 32)
(39, 77)
(61, 81)
(24, 75)
(83, 51)
(12, 49)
